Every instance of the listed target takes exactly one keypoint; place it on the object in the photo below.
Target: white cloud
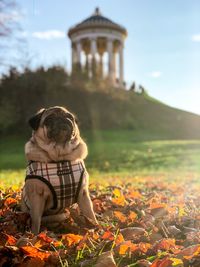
(155, 74)
(196, 38)
(48, 35)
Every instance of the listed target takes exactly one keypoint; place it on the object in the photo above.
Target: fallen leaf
(108, 235)
(71, 239)
(127, 246)
(35, 253)
(134, 194)
(33, 262)
(173, 230)
(189, 252)
(132, 216)
(165, 262)
(120, 216)
(143, 263)
(165, 244)
(119, 201)
(106, 260)
(130, 232)
(7, 240)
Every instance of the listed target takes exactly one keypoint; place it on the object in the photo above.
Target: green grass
(111, 153)
(121, 152)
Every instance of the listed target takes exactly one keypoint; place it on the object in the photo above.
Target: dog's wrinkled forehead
(50, 114)
(59, 113)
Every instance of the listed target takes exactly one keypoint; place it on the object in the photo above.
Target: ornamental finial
(97, 11)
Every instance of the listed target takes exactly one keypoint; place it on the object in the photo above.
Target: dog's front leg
(36, 212)
(36, 200)
(84, 201)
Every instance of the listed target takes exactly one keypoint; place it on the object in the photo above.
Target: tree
(9, 27)
(133, 87)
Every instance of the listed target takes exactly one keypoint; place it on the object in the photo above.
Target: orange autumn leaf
(196, 253)
(156, 205)
(123, 249)
(119, 239)
(39, 244)
(11, 240)
(172, 210)
(9, 201)
(189, 252)
(166, 244)
(144, 247)
(134, 194)
(120, 216)
(127, 245)
(108, 235)
(35, 253)
(120, 201)
(95, 236)
(165, 262)
(45, 238)
(71, 239)
(132, 216)
(8, 240)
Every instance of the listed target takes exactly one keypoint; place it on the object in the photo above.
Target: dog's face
(59, 122)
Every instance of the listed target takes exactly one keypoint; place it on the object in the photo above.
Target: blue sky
(162, 50)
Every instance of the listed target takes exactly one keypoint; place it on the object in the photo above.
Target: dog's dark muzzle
(59, 129)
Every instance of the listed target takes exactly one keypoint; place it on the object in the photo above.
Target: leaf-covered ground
(143, 221)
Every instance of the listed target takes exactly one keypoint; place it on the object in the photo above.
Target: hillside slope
(128, 110)
(22, 94)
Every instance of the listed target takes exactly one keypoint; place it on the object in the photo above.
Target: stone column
(87, 66)
(93, 47)
(101, 69)
(110, 60)
(78, 49)
(114, 67)
(93, 52)
(121, 65)
(74, 56)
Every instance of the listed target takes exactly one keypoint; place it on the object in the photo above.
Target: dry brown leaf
(130, 232)
(143, 263)
(33, 262)
(24, 241)
(155, 237)
(106, 260)
(173, 230)
(159, 212)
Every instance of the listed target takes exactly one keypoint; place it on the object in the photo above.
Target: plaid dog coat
(64, 180)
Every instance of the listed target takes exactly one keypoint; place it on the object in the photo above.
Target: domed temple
(100, 41)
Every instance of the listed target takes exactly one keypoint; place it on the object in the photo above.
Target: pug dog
(56, 138)
(56, 176)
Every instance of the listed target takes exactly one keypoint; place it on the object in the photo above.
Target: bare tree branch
(11, 44)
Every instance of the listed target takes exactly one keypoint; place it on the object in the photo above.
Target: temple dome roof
(97, 21)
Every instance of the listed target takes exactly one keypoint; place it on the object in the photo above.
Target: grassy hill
(101, 108)
(147, 117)
(125, 131)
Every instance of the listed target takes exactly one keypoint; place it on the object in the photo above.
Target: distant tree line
(96, 104)
(22, 93)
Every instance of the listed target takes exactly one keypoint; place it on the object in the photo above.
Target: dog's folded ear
(72, 117)
(34, 121)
